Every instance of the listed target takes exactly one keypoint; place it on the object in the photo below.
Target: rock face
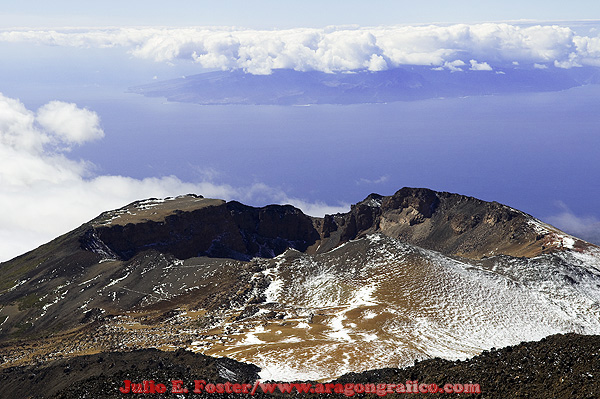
(224, 230)
(448, 223)
(193, 226)
(414, 275)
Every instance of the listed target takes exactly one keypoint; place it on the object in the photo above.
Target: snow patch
(252, 339)
(274, 290)
(364, 296)
(280, 371)
(337, 325)
(224, 372)
(368, 337)
(291, 340)
(369, 314)
(117, 280)
(303, 325)
(568, 242)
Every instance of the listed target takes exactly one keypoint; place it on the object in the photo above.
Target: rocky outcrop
(191, 226)
(101, 375)
(449, 223)
(226, 230)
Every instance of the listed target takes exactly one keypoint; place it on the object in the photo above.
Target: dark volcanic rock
(423, 201)
(559, 366)
(101, 375)
(452, 224)
(227, 230)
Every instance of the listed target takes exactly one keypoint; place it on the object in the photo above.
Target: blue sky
(74, 143)
(267, 14)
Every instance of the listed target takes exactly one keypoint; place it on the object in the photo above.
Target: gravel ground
(560, 366)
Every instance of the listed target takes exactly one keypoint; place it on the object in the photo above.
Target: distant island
(290, 87)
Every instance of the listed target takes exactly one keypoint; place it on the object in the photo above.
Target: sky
(74, 143)
(267, 14)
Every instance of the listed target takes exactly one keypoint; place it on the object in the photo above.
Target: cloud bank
(586, 227)
(335, 49)
(43, 193)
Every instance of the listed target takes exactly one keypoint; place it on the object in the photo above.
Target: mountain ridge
(225, 279)
(441, 221)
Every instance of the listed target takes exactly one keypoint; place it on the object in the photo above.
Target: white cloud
(588, 49)
(455, 66)
(334, 49)
(71, 124)
(568, 63)
(377, 63)
(479, 66)
(262, 193)
(586, 227)
(44, 194)
(379, 180)
(17, 127)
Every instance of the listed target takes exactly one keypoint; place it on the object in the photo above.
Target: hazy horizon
(74, 143)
